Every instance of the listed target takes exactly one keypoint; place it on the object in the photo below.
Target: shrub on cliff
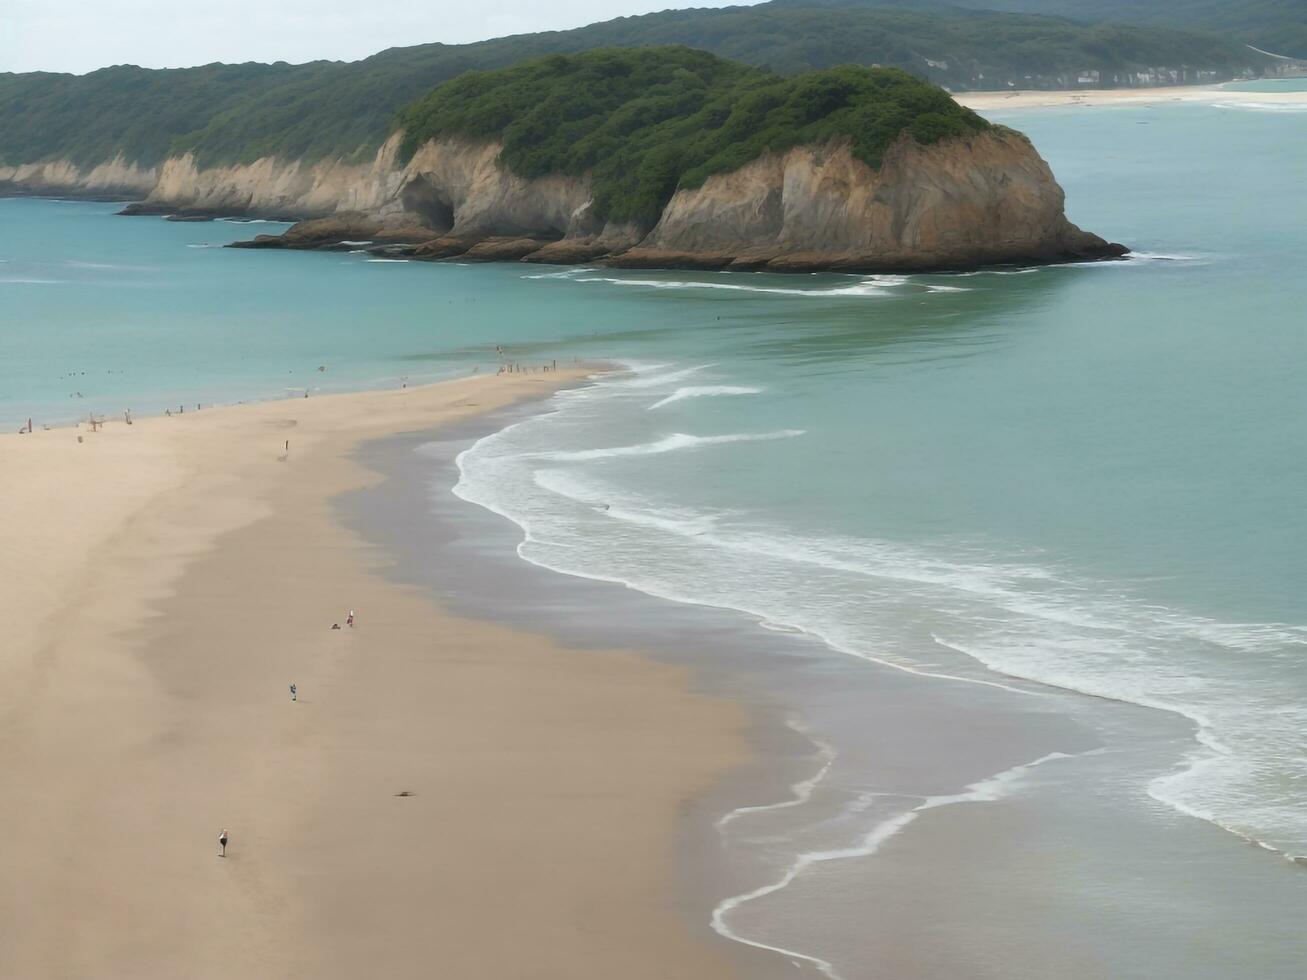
(647, 121)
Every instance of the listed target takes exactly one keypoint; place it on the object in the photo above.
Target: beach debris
(405, 792)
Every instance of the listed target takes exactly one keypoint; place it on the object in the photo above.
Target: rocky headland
(848, 170)
(979, 200)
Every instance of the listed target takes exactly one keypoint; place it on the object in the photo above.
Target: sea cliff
(110, 180)
(981, 199)
(977, 200)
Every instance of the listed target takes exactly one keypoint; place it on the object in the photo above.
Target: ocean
(1083, 478)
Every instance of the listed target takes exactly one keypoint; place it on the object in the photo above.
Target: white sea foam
(805, 617)
(871, 286)
(704, 391)
(1017, 615)
(1022, 271)
(652, 376)
(800, 792)
(562, 274)
(668, 444)
(1163, 257)
(1274, 107)
(988, 790)
(394, 261)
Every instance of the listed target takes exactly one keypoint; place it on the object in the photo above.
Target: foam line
(873, 286)
(704, 391)
(800, 792)
(988, 790)
(668, 444)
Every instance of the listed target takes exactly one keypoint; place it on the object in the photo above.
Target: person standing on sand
(292, 692)
(349, 620)
(222, 843)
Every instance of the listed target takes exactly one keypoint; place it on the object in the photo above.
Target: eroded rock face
(983, 199)
(988, 198)
(57, 177)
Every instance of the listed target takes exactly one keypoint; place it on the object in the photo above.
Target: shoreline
(173, 577)
(855, 759)
(780, 677)
(1060, 98)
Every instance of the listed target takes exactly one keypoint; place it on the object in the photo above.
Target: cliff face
(965, 202)
(988, 198)
(108, 179)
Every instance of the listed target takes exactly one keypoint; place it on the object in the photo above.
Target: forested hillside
(238, 113)
(1275, 25)
(646, 121)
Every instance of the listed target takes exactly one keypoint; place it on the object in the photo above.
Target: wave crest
(704, 391)
(668, 444)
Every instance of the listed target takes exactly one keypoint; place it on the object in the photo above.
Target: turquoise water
(1270, 85)
(1085, 475)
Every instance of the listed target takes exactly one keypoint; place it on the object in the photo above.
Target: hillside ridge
(234, 114)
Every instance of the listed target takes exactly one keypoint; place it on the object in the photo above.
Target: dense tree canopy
(646, 121)
(1275, 25)
(238, 113)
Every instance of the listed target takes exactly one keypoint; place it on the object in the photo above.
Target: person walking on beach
(292, 692)
(349, 620)
(222, 843)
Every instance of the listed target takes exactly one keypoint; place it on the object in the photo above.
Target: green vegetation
(238, 113)
(646, 121)
(1279, 26)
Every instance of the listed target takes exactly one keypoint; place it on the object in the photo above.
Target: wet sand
(447, 795)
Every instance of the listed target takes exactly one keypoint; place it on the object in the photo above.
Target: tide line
(801, 792)
(988, 790)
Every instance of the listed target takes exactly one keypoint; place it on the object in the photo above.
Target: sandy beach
(981, 101)
(446, 796)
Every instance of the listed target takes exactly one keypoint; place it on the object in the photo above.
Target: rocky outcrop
(983, 199)
(987, 199)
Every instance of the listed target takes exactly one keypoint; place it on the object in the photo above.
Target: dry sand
(980, 101)
(166, 581)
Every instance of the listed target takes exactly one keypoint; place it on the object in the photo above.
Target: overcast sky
(81, 35)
